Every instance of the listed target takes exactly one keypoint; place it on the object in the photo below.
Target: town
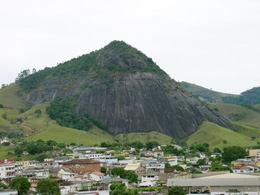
(130, 168)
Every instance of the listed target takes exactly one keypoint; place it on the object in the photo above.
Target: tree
(1, 105)
(4, 116)
(132, 177)
(103, 170)
(233, 153)
(176, 190)
(103, 144)
(202, 162)
(3, 186)
(216, 166)
(18, 150)
(217, 150)
(119, 171)
(38, 112)
(48, 187)
(21, 184)
(152, 144)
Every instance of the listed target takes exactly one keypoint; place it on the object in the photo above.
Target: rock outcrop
(129, 93)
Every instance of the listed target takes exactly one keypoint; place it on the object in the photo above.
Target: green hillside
(204, 93)
(144, 137)
(247, 131)
(47, 129)
(257, 106)
(219, 137)
(238, 114)
(9, 97)
(249, 97)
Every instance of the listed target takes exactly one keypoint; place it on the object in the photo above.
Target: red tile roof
(81, 161)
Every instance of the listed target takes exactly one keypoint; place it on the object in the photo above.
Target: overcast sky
(212, 43)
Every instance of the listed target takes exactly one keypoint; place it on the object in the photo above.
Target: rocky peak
(118, 53)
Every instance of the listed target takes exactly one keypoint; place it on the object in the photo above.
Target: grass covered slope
(219, 137)
(247, 131)
(47, 129)
(238, 113)
(144, 137)
(204, 93)
(9, 97)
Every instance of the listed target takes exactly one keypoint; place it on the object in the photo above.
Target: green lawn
(238, 114)
(9, 97)
(215, 136)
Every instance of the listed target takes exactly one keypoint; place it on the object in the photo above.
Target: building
(149, 180)
(241, 169)
(254, 152)
(223, 184)
(135, 168)
(35, 173)
(7, 171)
(8, 192)
(82, 166)
(96, 176)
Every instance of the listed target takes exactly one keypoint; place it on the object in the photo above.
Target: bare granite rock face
(132, 101)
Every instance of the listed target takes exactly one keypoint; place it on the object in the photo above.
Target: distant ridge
(206, 94)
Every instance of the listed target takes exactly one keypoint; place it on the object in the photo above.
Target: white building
(7, 171)
(149, 180)
(96, 176)
(157, 167)
(8, 192)
(223, 184)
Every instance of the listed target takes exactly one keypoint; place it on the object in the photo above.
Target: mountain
(249, 97)
(205, 94)
(124, 89)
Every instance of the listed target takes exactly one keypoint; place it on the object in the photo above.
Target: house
(28, 164)
(135, 168)
(58, 161)
(254, 152)
(172, 160)
(66, 174)
(67, 187)
(48, 162)
(82, 166)
(157, 167)
(225, 184)
(241, 169)
(149, 180)
(36, 172)
(7, 171)
(8, 192)
(96, 176)
(4, 140)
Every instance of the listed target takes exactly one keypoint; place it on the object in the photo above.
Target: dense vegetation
(63, 111)
(233, 153)
(119, 171)
(92, 62)
(249, 97)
